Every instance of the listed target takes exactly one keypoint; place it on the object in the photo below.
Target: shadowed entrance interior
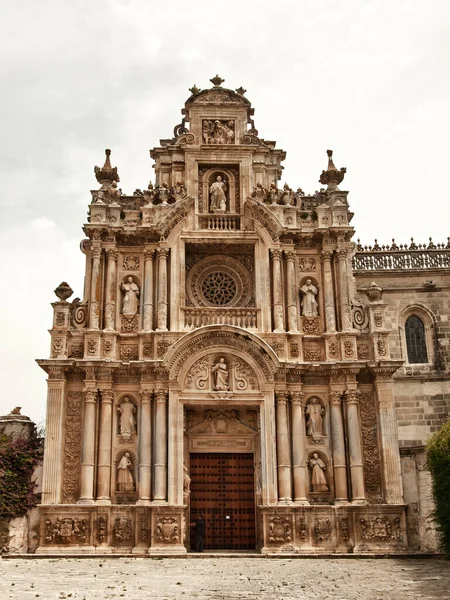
(223, 491)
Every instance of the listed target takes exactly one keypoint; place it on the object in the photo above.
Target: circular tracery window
(219, 288)
(219, 280)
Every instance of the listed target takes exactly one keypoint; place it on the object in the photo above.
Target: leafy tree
(18, 458)
(438, 459)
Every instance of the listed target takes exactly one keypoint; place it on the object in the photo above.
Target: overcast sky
(367, 78)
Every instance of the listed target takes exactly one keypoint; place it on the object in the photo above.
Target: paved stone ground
(224, 579)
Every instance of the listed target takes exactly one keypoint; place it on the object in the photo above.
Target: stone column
(54, 439)
(145, 447)
(283, 453)
(148, 290)
(278, 308)
(384, 387)
(328, 295)
(298, 448)
(291, 292)
(338, 447)
(88, 441)
(110, 301)
(94, 304)
(104, 447)
(163, 253)
(354, 443)
(160, 488)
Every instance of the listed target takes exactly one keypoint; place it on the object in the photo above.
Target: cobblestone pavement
(224, 579)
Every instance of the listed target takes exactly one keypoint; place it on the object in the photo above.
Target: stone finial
(241, 91)
(16, 411)
(374, 292)
(217, 81)
(332, 177)
(194, 90)
(106, 174)
(63, 291)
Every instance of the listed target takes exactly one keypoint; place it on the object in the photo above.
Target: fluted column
(338, 447)
(160, 488)
(148, 290)
(328, 295)
(163, 253)
(94, 304)
(88, 444)
(354, 444)
(104, 447)
(278, 308)
(298, 448)
(384, 387)
(53, 455)
(110, 295)
(343, 289)
(283, 453)
(291, 292)
(145, 447)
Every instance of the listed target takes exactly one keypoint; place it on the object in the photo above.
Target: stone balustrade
(392, 260)
(222, 222)
(240, 317)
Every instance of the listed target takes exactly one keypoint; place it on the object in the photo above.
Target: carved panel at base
(167, 530)
(67, 530)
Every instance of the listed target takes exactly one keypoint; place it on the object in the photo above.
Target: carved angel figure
(220, 375)
(318, 479)
(127, 423)
(314, 412)
(131, 296)
(125, 481)
(309, 304)
(218, 199)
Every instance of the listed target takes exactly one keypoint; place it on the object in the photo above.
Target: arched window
(415, 340)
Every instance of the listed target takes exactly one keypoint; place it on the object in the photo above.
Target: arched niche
(230, 177)
(214, 340)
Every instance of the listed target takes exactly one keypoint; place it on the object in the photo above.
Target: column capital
(96, 252)
(107, 396)
(111, 254)
(281, 397)
(149, 255)
(275, 253)
(146, 396)
(90, 395)
(162, 252)
(335, 397)
(384, 375)
(162, 396)
(56, 373)
(352, 396)
(326, 255)
(289, 255)
(297, 397)
(89, 374)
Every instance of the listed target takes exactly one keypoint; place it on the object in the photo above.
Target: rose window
(219, 288)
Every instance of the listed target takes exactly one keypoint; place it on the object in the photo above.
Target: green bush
(18, 458)
(438, 458)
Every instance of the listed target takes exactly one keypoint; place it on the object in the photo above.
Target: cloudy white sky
(367, 78)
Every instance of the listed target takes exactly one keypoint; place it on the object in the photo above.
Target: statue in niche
(314, 412)
(127, 422)
(318, 479)
(186, 485)
(309, 303)
(131, 296)
(220, 372)
(217, 195)
(125, 481)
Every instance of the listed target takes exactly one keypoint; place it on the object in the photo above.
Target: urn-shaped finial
(63, 291)
(106, 175)
(374, 292)
(217, 81)
(332, 177)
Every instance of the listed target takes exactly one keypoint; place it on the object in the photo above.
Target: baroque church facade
(237, 355)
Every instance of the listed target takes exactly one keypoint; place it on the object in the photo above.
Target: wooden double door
(223, 492)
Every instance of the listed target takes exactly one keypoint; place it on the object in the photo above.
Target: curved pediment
(218, 96)
(264, 217)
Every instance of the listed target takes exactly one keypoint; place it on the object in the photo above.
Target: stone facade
(225, 315)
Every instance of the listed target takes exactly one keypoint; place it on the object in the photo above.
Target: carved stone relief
(218, 131)
(102, 529)
(381, 529)
(306, 263)
(129, 352)
(129, 323)
(67, 530)
(167, 530)
(280, 530)
(72, 448)
(123, 530)
(322, 529)
(371, 452)
(221, 374)
(131, 262)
